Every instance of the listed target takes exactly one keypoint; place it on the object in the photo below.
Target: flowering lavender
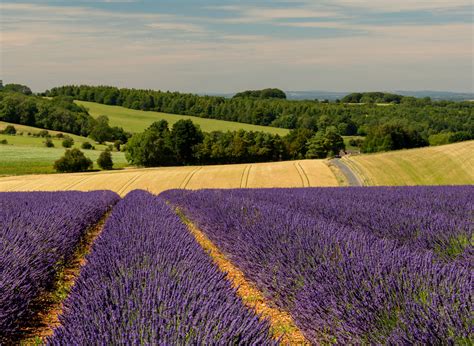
(147, 281)
(39, 230)
(347, 263)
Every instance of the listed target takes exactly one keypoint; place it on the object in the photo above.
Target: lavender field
(38, 231)
(352, 265)
(147, 281)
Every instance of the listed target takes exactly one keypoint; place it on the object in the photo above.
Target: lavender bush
(147, 281)
(347, 263)
(38, 231)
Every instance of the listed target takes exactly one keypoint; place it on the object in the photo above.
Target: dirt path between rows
(49, 305)
(282, 325)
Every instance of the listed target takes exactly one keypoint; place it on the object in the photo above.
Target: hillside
(451, 164)
(28, 155)
(305, 173)
(136, 120)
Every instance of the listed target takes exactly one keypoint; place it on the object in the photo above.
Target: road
(352, 179)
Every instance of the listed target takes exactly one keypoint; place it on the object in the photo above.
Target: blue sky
(228, 45)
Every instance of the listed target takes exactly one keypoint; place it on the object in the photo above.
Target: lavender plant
(347, 263)
(147, 281)
(38, 231)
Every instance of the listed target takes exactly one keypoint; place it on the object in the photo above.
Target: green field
(451, 164)
(17, 160)
(28, 155)
(137, 121)
(22, 138)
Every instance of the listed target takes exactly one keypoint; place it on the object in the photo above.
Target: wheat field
(451, 164)
(304, 173)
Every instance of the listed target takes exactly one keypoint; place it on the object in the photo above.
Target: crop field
(451, 164)
(351, 265)
(305, 173)
(38, 231)
(379, 265)
(137, 121)
(18, 160)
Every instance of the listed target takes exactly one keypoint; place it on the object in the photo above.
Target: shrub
(86, 145)
(3, 141)
(48, 143)
(73, 160)
(60, 135)
(9, 130)
(105, 160)
(68, 142)
(117, 144)
(44, 133)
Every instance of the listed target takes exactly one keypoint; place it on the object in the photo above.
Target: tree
(296, 142)
(19, 88)
(151, 148)
(87, 146)
(117, 144)
(185, 135)
(48, 143)
(68, 142)
(105, 160)
(392, 136)
(73, 160)
(101, 130)
(9, 130)
(325, 144)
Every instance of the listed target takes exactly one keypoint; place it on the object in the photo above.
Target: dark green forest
(360, 115)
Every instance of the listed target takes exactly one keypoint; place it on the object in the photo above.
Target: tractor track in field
(244, 180)
(304, 178)
(46, 309)
(188, 178)
(129, 183)
(282, 325)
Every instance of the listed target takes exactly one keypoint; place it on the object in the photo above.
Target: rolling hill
(28, 155)
(137, 121)
(451, 164)
(304, 173)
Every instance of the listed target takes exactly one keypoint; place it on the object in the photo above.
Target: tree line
(19, 106)
(186, 144)
(424, 116)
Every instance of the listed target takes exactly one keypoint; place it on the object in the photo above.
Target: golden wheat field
(451, 164)
(303, 173)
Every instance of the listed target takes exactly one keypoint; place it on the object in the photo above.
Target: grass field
(18, 159)
(277, 174)
(136, 121)
(451, 164)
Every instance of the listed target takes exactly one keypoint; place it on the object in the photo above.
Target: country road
(352, 179)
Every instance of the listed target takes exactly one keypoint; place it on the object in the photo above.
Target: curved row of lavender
(147, 281)
(341, 281)
(426, 218)
(39, 230)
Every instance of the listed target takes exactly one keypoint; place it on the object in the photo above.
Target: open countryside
(160, 183)
(137, 120)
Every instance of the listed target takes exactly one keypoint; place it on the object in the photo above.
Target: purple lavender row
(38, 230)
(438, 219)
(147, 281)
(339, 284)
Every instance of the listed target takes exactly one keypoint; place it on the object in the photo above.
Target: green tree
(9, 130)
(73, 160)
(48, 143)
(151, 148)
(68, 142)
(87, 146)
(101, 130)
(185, 136)
(105, 160)
(325, 144)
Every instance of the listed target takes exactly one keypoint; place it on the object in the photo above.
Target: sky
(228, 45)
